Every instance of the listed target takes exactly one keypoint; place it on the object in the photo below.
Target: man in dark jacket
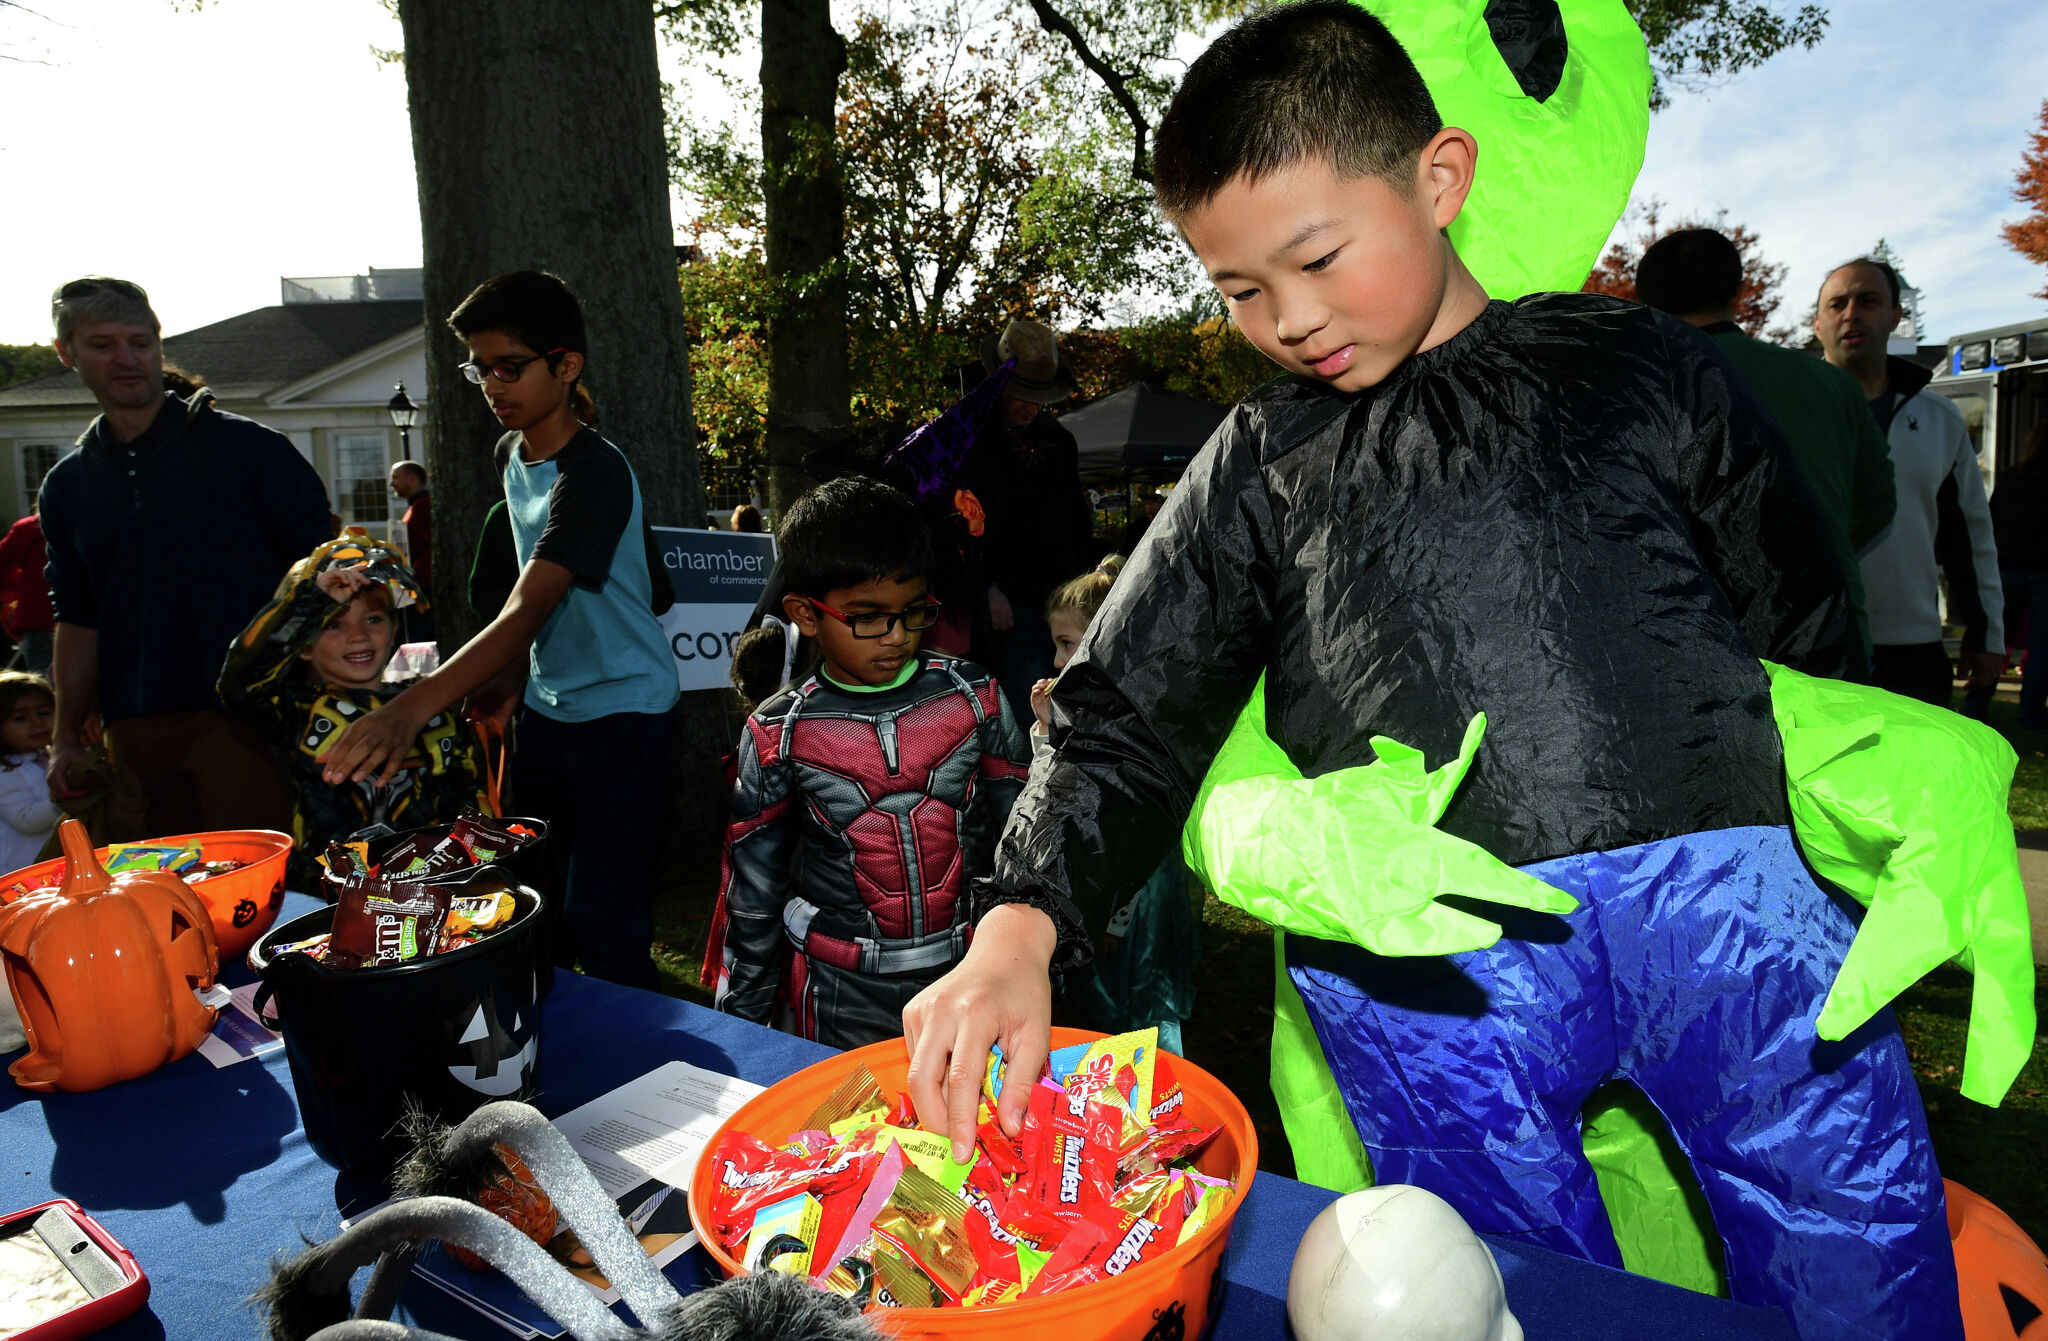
(1025, 471)
(1695, 275)
(168, 528)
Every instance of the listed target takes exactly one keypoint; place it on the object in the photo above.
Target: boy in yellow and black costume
(310, 663)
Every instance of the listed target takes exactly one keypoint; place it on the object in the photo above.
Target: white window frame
(25, 495)
(337, 439)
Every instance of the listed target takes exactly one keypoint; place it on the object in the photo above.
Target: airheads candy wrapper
(930, 1151)
(784, 1236)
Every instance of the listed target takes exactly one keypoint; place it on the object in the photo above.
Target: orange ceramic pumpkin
(104, 970)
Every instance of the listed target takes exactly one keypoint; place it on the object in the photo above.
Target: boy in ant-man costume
(869, 794)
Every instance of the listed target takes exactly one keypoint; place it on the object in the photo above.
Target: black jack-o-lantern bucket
(450, 1033)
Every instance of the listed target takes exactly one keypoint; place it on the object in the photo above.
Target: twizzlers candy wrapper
(1077, 1158)
(753, 1174)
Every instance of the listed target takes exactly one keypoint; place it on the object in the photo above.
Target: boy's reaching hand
(342, 584)
(999, 993)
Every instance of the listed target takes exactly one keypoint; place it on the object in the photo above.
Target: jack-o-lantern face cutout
(498, 1046)
(105, 972)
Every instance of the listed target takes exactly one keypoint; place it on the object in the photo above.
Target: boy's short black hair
(1317, 79)
(1691, 270)
(849, 531)
(532, 306)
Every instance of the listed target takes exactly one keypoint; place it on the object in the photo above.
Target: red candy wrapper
(1106, 1243)
(1077, 1157)
(753, 1174)
(1166, 1092)
(1001, 1153)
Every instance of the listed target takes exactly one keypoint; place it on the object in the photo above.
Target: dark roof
(248, 356)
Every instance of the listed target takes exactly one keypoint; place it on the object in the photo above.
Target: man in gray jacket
(1943, 519)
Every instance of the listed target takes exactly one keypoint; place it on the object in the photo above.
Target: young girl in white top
(27, 814)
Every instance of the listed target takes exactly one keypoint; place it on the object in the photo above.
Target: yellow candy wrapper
(784, 1236)
(931, 1152)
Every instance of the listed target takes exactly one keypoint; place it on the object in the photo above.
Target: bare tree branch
(1055, 22)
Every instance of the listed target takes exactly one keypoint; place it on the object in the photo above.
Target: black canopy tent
(1140, 432)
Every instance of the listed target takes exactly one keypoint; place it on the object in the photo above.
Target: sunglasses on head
(85, 288)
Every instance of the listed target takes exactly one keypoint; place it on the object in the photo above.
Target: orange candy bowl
(241, 904)
(1174, 1291)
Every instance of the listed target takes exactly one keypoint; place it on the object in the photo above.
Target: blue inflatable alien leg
(1465, 1073)
(1814, 1156)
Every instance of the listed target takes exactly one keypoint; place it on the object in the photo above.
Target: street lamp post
(404, 414)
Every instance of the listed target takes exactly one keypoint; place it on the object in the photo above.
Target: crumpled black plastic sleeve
(1760, 531)
(1572, 516)
(1187, 623)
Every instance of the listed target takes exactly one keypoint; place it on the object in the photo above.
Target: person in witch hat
(1037, 531)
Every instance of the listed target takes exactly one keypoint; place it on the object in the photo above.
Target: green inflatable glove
(1352, 855)
(1554, 173)
(1903, 805)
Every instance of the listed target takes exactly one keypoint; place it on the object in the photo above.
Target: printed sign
(718, 577)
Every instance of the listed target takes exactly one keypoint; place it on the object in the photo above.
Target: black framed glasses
(506, 370)
(876, 623)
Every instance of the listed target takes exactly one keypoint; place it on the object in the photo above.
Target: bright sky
(204, 155)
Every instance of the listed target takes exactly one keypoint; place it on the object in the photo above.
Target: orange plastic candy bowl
(1170, 1295)
(2002, 1273)
(241, 904)
(105, 970)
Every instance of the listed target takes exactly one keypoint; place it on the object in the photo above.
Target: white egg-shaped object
(1396, 1263)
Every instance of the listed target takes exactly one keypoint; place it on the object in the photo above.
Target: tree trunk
(802, 57)
(538, 139)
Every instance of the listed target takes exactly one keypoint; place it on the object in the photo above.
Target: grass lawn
(1997, 1152)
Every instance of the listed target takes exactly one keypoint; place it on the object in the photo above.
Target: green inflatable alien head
(1557, 92)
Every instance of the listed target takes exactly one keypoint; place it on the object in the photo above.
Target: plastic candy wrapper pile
(394, 912)
(185, 861)
(872, 1207)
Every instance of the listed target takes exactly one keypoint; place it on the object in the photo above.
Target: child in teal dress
(1144, 967)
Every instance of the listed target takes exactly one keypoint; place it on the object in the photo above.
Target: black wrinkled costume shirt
(1573, 516)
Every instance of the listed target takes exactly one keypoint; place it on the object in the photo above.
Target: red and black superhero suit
(858, 817)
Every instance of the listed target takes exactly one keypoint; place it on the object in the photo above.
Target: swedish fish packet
(1118, 1071)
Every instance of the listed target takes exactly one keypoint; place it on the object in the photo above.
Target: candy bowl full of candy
(412, 992)
(1105, 1217)
(237, 874)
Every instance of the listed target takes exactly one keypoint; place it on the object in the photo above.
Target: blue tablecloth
(206, 1176)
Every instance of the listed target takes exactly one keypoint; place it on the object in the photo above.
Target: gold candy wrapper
(930, 1223)
(899, 1281)
(859, 1093)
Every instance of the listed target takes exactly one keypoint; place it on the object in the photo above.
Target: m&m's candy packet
(871, 1206)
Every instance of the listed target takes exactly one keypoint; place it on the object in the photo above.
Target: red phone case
(104, 1311)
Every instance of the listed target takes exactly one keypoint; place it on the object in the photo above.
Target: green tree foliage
(22, 363)
(1697, 44)
(983, 179)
